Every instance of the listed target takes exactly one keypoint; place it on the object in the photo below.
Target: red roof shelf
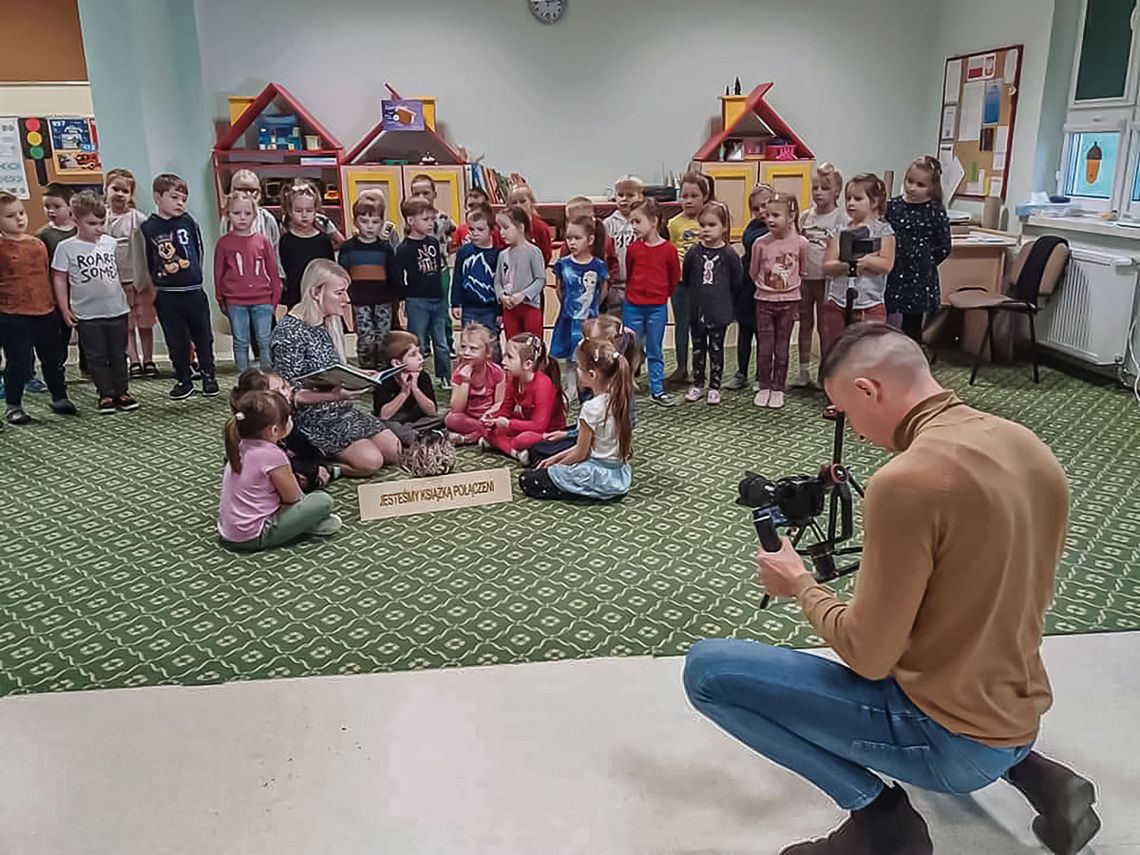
(379, 145)
(757, 119)
(283, 103)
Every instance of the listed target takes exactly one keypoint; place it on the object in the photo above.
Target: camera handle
(769, 538)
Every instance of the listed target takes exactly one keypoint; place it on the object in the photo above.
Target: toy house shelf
(754, 145)
(388, 160)
(279, 140)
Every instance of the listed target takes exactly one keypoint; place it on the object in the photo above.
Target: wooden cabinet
(733, 183)
(450, 187)
(389, 180)
(789, 176)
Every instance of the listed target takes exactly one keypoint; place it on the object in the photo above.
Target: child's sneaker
(445, 384)
(713, 396)
(106, 406)
(64, 407)
(17, 416)
(149, 369)
(329, 525)
(126, 403)
(738, 382)
(136, 371)
(695, 393)
(210, 385)
(182, 389)
(483, 444)
(663, 399)
(776, 400)
(762, 398)
(755, 385)
(36, 386)
(522, 457)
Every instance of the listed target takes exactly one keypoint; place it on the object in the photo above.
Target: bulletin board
(979, 107)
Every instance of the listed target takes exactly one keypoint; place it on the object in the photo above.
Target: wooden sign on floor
(425, 495)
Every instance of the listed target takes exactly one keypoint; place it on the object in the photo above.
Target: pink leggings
(813, 296)
(509, 443)
(469, 427)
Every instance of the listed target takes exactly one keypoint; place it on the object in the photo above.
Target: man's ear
(867, 387)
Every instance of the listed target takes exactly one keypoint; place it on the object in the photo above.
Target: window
(1100, 159)
(1092, 164)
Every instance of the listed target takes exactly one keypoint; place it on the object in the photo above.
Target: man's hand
(782, 574)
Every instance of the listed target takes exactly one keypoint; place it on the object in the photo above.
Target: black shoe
(887, 826)
(182, 389)
(17, 416)
(210, 386)
(149, 369)
(64, 407)
(136, 371)
(195, 371)
(106, 406)
(126, 403)
(1066, 821)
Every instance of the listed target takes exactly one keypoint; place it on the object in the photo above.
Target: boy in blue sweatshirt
(170, 244)
(473, 299)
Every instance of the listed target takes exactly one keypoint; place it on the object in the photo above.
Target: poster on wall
(402, 115)
(13, 178)
(75, 145)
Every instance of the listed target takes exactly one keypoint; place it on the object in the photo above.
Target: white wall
(968, 26)
(20, 99)
(618, 86)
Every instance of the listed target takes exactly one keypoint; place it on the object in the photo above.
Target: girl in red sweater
(652, 272)
(246, 280)
(540, 235)
(533, 404)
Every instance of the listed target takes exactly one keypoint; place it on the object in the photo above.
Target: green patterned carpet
(110, 575)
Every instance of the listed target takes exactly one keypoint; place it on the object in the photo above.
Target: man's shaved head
(876, 375)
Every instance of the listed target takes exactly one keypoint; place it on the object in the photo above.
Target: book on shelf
(342, 376)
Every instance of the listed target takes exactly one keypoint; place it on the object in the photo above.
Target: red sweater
(245, 271)
(651, 273)
(536, 407)
(542, 237)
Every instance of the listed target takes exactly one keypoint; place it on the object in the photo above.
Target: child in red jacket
(533, 404)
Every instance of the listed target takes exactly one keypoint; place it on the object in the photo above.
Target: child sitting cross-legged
(597, 467)
(406, 401)
(477, 385)
(533, 404)
(303, 456)
(261, 504)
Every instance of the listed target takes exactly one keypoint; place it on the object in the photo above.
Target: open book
(347, 377)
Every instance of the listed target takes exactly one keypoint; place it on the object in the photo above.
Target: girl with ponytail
(597, 467)
(261, 505)
(533, 404)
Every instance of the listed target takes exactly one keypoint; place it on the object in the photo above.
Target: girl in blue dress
(922, 235)
(580, 279)
(597, 467)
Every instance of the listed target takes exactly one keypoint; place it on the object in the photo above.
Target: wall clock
(548, 11)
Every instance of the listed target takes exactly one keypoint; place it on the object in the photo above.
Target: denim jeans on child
(649, 324)
(248, 324)
(818, 718)
(428, 319)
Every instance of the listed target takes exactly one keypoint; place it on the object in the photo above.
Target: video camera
(794, 503)
(856, 243)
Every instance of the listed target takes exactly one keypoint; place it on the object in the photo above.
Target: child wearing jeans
(28, 318)
(246, 282)
(418, 269)
(777, 262)
(654, 271)
(261, 505)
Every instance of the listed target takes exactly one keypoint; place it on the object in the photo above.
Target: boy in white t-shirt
(628, 191)
(85, 278)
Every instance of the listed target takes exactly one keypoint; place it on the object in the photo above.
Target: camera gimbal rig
(797, 501)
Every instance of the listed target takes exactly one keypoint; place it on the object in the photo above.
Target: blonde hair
(318, 273)
(579, 206)
(519, 192)
(829, 176)
(239, 196)
(246, 176)
(631, 182)
(482, 334)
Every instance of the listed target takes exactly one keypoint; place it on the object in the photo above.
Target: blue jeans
(428, 318)
(246, 323)
(649, 324)
(821, 720)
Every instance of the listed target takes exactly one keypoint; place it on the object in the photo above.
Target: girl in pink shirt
(478, 386)
(777, 264)
(261, 505)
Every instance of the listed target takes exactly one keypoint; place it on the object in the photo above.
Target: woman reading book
(310, 339)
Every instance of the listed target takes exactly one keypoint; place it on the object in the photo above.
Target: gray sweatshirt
(520, 271)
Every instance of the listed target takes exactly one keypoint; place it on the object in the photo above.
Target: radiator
(1089, 315)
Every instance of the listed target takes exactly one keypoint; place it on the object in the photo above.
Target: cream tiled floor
(595, 757)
